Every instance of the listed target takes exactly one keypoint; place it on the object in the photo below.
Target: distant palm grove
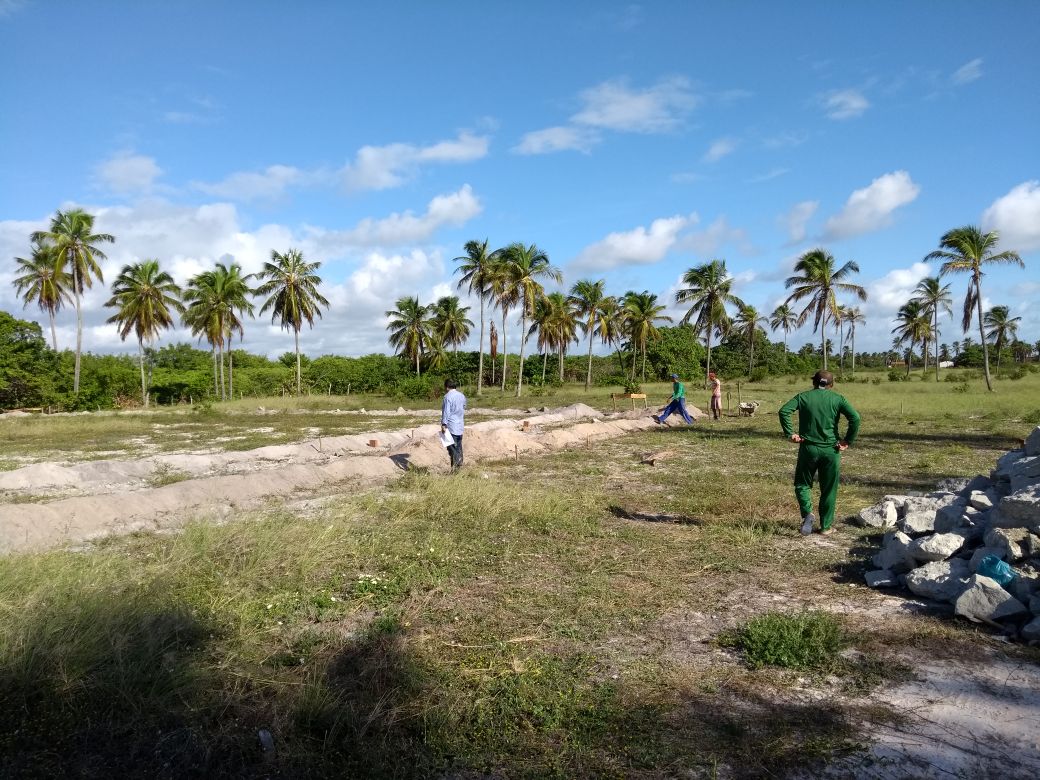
(716, 332)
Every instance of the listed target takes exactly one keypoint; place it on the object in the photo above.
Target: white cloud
(716, 235)
(775, 173)
(1016, 216)
(402, 228)
(845, 103)
(719, 149)
(968, 72)
(269, 184)
(613, 105)
(785, 140)
(871, 208)
(383, 167)
(797, 218)
(891, 291)
(557, 139)
(640, 246)
(128, 173)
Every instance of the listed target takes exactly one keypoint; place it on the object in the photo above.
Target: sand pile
(115, 497)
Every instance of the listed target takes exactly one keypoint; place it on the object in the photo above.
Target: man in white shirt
(453, 413)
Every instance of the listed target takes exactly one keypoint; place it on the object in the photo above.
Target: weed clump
(809, 640)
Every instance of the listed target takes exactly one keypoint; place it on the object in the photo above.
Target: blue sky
(629, 141)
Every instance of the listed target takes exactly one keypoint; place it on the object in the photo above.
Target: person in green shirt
(677, 403)
(819, 446)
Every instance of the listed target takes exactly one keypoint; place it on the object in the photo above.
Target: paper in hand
(446, 439)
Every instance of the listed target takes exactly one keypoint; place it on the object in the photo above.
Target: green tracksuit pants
(825, 461)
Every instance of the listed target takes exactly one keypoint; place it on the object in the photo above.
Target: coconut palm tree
(505, 294)
(935, 296)
(236, 292)
(42, 280)
(783, 318)
(967, 249)
(144, 296)
(708, 291)
(611, 326)
(74, 240)
(555, 323)
(1001, 327)
(587, 297)
(528, 265)
(854, 317)
(411, 333)
(450, 324)
(475, 271)
(292, 284)
(748, 323)
(492, 348)
(642, 313)
(204, 317)
(816, 281)
(913, 324)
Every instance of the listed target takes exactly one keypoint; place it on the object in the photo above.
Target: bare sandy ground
(115, 496)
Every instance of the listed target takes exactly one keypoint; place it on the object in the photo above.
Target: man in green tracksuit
(820, 446)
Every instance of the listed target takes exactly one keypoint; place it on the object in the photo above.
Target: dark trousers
(455, 452)
(678, 405)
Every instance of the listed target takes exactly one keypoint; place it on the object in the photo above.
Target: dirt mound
(121, 500)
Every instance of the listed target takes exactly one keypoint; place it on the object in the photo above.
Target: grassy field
(570, 615)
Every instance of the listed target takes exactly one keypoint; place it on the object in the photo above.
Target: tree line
(64, 261)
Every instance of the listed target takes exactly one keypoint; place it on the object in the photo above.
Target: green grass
(810, 640)
(558, 618)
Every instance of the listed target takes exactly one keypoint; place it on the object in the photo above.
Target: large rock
(882, 578)
(918, 514)
(985, 600)
(980, 553)
(939, 580)
(964, 520)
(1023, 588)
(1014, 543)
(982, 500)
(1031, 630)
(1033, 442)
(936, 547)
(895, 553)
(882, 515)
(1021, 509)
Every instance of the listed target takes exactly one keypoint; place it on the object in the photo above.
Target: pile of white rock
(938, 540)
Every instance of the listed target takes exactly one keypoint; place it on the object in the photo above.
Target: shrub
(807, 640)
(759, 374)
(417, 388)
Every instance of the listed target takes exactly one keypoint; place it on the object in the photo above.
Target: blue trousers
(678, 405)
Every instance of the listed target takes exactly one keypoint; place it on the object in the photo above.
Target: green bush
(759, 374)
(417, 388)
(896, 375)
(807, 640)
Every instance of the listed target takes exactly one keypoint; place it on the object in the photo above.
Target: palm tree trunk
(588, 376)
(935, 327)
(79, 327)
(220, 357)
(480, 350)
(852, 335)
(785, 348)
(545, 361)
(523, 338)
(909, 357)
(54, 333)
(751, 362)
(982, 332)
(216, 387)
(707, 367)
(296, 335)
(231, 374)
(841, 351)
(643, 369)
(561, 365)
(140, 357)
(505, 351)
(823, 340)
